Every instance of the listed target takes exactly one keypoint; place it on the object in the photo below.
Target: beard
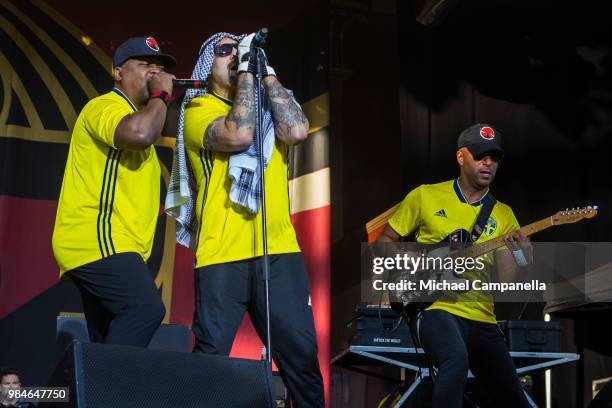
(232, 77)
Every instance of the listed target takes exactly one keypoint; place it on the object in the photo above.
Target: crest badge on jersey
(487, 132)
(152, 44)
(490, 227)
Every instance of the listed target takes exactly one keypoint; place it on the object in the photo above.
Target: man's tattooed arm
(290, 123)
(234, 132)
(243, 110)
(211, 135)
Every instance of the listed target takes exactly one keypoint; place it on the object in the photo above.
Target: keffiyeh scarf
(243, 166)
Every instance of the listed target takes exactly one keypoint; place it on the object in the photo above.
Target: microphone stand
(264, 230)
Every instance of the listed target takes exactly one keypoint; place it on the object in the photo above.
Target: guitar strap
(483, 217)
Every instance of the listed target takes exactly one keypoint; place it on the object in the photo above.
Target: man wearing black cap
(109, 202)
(459, 331)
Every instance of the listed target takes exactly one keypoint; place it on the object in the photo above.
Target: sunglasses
(223, 50)
(494, 155)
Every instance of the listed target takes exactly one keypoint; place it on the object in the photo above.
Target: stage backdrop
(54, 57)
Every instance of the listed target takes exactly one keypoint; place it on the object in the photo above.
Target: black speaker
(171, 337)
(104, 376)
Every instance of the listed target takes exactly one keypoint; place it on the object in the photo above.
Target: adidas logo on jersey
(440, 213)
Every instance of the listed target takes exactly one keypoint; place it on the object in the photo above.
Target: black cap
(480, 138)
(141, 47)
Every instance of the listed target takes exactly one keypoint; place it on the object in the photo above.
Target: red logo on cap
(487, 132)
(152, 44)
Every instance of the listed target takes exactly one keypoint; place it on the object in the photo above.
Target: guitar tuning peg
(596, 207)
(566, 209)
(589, 208)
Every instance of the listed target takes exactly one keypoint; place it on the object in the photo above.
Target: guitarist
(459, 331)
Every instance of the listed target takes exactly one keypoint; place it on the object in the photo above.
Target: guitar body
(410, 303)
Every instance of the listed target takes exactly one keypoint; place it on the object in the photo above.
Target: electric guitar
(458, 245)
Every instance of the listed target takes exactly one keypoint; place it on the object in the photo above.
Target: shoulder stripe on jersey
(110, 214)
(207, 165)
(107, 195)
(209, 162)
(100, 237)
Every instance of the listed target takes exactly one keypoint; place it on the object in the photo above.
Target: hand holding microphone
(246, 55)
(260, 41)
(160, 86)
(161, 82)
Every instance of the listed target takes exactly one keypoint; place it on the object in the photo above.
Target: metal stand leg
(533, 404)
(417, 381)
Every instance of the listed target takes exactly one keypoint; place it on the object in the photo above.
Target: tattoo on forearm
(243, 111)
(286, 113)
(211, 135)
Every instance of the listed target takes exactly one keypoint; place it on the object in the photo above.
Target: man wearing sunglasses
(218, 131)
(459, 331)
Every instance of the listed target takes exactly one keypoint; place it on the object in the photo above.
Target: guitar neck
(477, 250)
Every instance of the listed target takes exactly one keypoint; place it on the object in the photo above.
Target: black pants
(456, 345)
(224, 292)
(120, 300)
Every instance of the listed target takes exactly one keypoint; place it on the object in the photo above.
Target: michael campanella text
(459, 285)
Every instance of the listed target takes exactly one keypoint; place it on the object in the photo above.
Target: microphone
(260, 38)
(189, 83)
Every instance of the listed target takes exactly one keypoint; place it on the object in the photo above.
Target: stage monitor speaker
(170, 337)
(103, 376)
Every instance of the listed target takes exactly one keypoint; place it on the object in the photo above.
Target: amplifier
(532, 335)
(375, 326)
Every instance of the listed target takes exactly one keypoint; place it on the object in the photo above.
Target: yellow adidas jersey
(228, 232)
(432, 212)
(110, 198)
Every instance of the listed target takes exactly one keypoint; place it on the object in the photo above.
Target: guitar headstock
(571, 215)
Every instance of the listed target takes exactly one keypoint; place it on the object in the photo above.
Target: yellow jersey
(228, 232)
(110, 198)
(432, 212)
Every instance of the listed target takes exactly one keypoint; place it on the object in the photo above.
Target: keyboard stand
(414, 359)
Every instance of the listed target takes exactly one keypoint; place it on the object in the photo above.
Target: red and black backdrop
(55, 55)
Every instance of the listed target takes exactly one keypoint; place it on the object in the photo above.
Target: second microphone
(189, 83)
